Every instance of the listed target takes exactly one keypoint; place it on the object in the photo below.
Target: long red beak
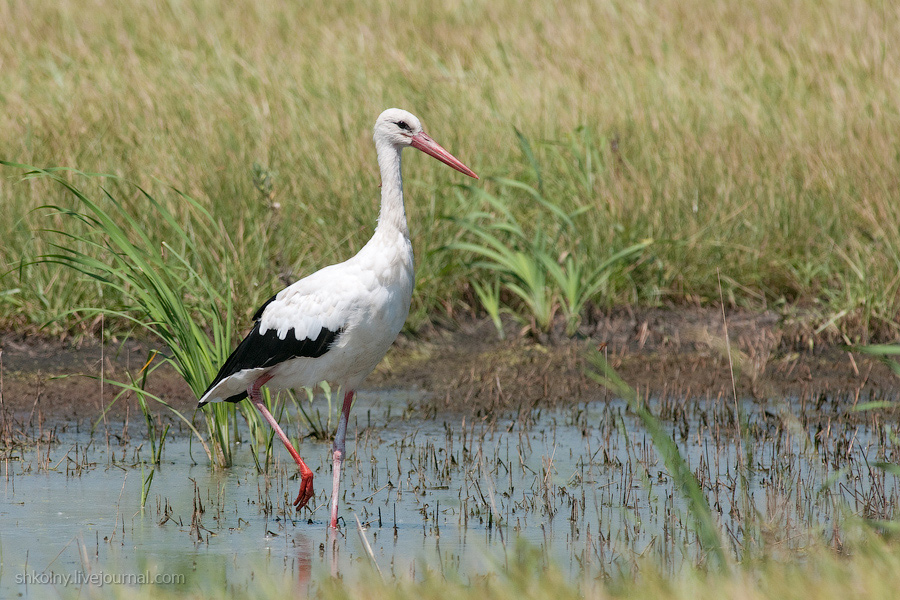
(421, 141)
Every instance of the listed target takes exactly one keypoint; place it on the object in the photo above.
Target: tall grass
(173, 289)
(758, 138)
(176, 288)
(538, 258)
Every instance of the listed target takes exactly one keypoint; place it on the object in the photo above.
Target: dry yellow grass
(759, 138)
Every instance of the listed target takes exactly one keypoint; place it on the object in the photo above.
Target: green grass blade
(704, 523)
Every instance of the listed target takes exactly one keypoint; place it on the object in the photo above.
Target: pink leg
(306, 474)
(338, 455)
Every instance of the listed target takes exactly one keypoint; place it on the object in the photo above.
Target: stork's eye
(402, 125)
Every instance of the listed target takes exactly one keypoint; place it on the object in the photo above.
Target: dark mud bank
(467, 368)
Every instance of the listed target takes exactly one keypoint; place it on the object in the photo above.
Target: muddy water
(444, 494)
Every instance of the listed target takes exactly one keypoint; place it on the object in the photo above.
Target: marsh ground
(461, 443)
(468, 369)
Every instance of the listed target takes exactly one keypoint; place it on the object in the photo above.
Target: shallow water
(445, 494)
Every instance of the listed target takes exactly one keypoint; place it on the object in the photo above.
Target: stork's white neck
(393, 213)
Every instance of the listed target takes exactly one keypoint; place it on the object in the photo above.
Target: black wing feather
(260, 350)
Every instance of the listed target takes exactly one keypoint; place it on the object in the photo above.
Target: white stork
(336, 324)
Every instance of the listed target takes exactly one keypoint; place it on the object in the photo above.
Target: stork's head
(400, 128)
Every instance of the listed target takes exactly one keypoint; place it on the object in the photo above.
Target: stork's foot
(306, 489)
